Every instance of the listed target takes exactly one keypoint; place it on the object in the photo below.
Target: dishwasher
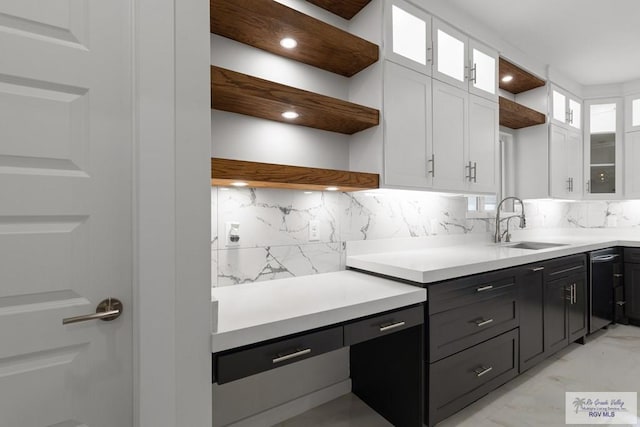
(606, 296)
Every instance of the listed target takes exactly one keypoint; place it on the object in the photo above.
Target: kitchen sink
(535, 245)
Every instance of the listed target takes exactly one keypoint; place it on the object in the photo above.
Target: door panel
(575, 164)
(408, 36)
(558, 178)
(555, 318)
(632, 158)
(483, 144)
(65, 216)
(483, 80)
(577, 311)
(449, 136)
(450, 55)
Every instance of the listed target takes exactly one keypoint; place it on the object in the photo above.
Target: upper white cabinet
(632, 108)
(566, 109)
(408, 36)
(482, 150)
(408, 151)
(603, 148)
(565, 163)
(632, 160)
(463, 62)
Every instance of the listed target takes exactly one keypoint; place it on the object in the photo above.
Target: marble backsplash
(274, 227)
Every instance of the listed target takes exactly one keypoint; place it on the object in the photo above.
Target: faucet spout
(523, 221)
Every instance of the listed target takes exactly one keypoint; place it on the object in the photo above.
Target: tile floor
(610, 361)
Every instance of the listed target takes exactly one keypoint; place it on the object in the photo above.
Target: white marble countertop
(260, 311)
(433, 264)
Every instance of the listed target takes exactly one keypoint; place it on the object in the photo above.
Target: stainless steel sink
(535, 245)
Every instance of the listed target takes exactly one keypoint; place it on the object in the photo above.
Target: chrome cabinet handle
(482, 370)
(618, 275)
(297, 353)
(474, 73)
(108, 309)
(468, 167)
(433, 165)
(621, 303)
(483, 322)
(588, 186)
(390, 326)
(536, 269)
(475, 172)
(484, 288)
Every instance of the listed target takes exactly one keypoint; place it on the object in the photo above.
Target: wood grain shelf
(263, 23)
(346, 9)
(269, 175)
(244, 94)
(517, 116)
(522, 80)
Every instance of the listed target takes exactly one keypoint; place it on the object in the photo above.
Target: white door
(408, 36)
(483, 145)
(483, 73)
(632, 113)
(65, 212)
(632, 160)
(559, 113)
(450, 125)
(407, 127)
(575, 165)
(558, 177)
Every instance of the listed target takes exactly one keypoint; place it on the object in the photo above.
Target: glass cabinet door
(603, 148)
(574, 114)
(559, 106)
(483, 77)
(450, 56)
(408, 36)
(632, 107)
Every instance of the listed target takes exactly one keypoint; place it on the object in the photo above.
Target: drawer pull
(293, 355)
(390, 326)
(481, 371)
(483, 322)
(620, 303)
(484, 288)
(536, 269)
(617, 275)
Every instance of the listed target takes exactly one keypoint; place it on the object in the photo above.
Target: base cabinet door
(632, 290)
(577, 308)
(531, 300)
(555, 317)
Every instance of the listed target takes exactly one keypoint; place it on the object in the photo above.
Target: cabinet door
(555, 316)
(632, 108)
(558, 178)
(632, 290)
(408, 36)
(450, 55)
(632, 159)
(483, 75)
(450, 135)
(407, 127)
(558, 107)
(531, 303)
(482, 153)
(577, 308)
(574, 113)
(574, 164)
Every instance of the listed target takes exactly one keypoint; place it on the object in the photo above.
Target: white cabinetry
(465, 141)
(632, 160)
(566, 109)
(408, 36)
(463, 62)
(408, 150)
(565, 163)
(632, 117)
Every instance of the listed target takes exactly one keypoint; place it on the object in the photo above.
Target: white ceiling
(591, 41)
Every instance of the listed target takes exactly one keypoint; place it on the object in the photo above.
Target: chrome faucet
(523, 221)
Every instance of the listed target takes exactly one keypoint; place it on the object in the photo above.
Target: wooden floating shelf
(243, 94)
(346, 9)
(517, 116)
(522, 80)
(224, 172)
(263, 23)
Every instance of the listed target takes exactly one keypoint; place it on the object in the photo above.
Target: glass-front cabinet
(566, 109)
(408, 36)
(632, 108)
(603, 148)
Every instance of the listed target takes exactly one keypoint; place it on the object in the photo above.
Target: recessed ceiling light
(308, 192)
(290, 115)
(507, 78)
(331, 188)
(288, 43)
(239, 184)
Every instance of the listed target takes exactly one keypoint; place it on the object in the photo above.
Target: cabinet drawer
(454, 330)
(243, 363)
(566, 266)
(632, 255)
(469, 290)
(384, 324)
(459, 380)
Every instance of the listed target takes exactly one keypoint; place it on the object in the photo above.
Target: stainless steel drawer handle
(481, 371)
(536, 269)
(618, 275)
(484, 288)
(108, 309)
(483, 322)
(293, 355)
(391, 326)
(621, 303)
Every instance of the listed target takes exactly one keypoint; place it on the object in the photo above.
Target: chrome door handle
(297, 353)
(469, 177)
(620, 303)
(474, 73)
(483, 322)
(475, 172)
(108, 309)
(484, 288)
(433, 165)
(390, 326)
(482, 370)
(617, 275)
(536, 269)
